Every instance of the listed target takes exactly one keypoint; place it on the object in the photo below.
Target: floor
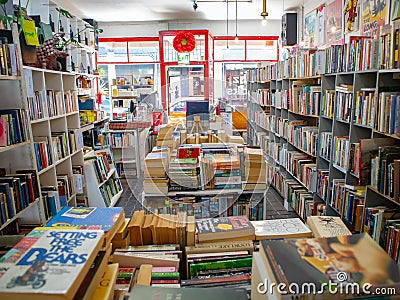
(133, 189)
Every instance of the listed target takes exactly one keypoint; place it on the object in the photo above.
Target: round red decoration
(184, 41)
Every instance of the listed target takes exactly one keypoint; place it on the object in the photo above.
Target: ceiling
(173, 10)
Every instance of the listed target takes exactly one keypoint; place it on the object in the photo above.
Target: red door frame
(164, 65)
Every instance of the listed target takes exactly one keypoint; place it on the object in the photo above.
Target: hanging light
(236, 36)
(264, 13)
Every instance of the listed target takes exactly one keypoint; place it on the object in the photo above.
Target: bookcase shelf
(18, 157)
(19, 214)
(352, 130)
(6, 77)
(11, 147)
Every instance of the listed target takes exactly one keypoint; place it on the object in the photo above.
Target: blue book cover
(94, 218)
(5, 188)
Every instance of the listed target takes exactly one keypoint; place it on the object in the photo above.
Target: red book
(189, 151)
(3, 132)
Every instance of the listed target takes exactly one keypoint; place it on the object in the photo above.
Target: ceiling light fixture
(264, 13)
(236, 36)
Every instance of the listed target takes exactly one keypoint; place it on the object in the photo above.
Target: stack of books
(183, 174)
(227, 172)
(255, 168)
(165, 136)
(155, 166)
(224, 229)
(223, 264)
(165, 257)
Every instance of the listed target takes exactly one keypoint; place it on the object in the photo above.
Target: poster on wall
(374, 15)
(351, 16)
(320, 26)
(309, 29)
(333, 16)
(395, 10)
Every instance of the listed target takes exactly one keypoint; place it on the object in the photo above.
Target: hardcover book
(225, 228)
(53, 267)
(281, 228)
(326, 226)
(321, 261)
(108, 219)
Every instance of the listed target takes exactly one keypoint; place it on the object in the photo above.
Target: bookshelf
(350, 118)
(17, 150)
(55, 127)
(103, 186)
(128, 147)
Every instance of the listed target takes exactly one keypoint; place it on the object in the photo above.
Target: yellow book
(105, 289)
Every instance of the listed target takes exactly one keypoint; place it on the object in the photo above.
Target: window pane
(170, 54)
(262, 50)
(112, 52)
(143, 51)
(234, 52)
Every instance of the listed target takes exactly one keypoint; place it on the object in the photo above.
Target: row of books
(386, 108)
(348, 201)
(52, 103)
(326, 139)
(126, 139)
(364, 107)
(341, 151)
(13, 129)
(261, 96)
(360, 53)
(17, 191)
(101, 167)
(61, 145)
(344, 102)
(305, 98)
(211, 207)
(9, 56)
(280, 98)
(385, 168)
(328, 104)
(110, 188)
(158, 229)
(302, 167)
(302, 136)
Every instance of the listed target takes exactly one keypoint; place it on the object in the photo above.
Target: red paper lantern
(184, 41)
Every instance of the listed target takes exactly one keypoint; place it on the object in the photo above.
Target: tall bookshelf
(350, 109)
(20, 155)
(56, 123)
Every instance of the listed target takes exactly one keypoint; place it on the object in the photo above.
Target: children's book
(53, 267)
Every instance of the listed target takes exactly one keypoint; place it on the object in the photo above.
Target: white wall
(245, 27)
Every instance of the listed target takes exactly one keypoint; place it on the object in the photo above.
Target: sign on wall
(333, 16)
(320, 26)
(309, 29)
(374, 15)
(351, 15)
